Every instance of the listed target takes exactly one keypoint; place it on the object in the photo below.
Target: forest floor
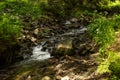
(78, 66)
(65, 68)
(74, 67)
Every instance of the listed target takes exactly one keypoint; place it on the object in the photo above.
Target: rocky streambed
(68, 55)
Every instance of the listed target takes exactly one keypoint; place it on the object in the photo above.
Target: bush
(23, 8)
(111, 63)
(60, 9)
(10, 30)
(115, 67)
(102, 31)
(54, 8)
(114, 78)
(116, 22)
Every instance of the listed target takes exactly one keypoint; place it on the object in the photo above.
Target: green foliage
(114, 78)
(10, 31)
(79, 13)
(102, 31)
(10, 28)
(116, 22)
(23, 8)
(106, 63)
(115, 67)
(103, 67)
(54, 8)
(112, 6)
(60, 8)
(85, 16)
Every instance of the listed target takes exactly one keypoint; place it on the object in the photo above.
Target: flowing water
(39, 55)
(43, 51)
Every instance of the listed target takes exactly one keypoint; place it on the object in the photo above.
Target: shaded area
(75, 67)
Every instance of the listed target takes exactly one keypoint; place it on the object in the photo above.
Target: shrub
(102, 31)
(116, 22)
(10, 30)
(114, 78)
(115, 67)
(23, 8)
(54, 8)
(111, 63)
(61, 9)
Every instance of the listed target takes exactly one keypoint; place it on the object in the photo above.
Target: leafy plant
(23, 8)
(114, 78)
(107, 64)
(102, 31)
(116, 22)
(115, 67)
(103, 67)
(10, 28)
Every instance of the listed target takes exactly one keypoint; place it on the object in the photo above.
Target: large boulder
(63, 48)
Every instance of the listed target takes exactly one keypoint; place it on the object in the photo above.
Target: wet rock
(74, 20)
(33, 39)
(63, 48)
(36, 31)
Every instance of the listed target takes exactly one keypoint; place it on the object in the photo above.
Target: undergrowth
(103, 31)
(23, 9)
(10, 28)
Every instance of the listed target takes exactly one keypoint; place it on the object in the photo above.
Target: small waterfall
(38, 54)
